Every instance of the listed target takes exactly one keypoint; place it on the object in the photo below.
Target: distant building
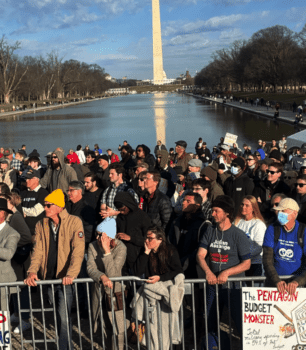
(117, 91)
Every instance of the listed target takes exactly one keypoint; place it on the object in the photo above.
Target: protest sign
(230, 139)
(272, 320)
(5, 340)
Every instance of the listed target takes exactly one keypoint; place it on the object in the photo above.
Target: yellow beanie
(56, 197)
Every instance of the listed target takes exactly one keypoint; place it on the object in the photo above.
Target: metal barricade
(192, 321)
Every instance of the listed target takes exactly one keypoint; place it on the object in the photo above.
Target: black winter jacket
(159, 208)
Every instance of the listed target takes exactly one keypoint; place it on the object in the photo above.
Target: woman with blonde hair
(250, 221)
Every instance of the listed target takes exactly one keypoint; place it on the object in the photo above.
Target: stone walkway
(284, 116)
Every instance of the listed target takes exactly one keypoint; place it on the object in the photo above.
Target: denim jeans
(235, 306)
(24, 303)
(64, 328)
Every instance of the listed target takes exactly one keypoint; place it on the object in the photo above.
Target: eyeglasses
(48, 205)
(150, 239)
(300, 185)
(197, 189)
(271, 172)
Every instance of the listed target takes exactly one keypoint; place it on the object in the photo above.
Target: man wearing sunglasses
(299, 195)
(58, 254)
(264, 190)
(58, 174)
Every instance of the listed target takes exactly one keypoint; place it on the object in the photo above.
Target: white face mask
(234, 170)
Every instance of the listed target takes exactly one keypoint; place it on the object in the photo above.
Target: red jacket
(114, 158)
(73, 158)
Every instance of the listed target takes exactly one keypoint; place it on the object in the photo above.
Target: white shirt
(255, 229)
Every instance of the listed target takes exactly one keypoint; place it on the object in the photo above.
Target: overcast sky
(117, 34)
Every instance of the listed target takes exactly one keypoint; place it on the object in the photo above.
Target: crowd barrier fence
(43, 333)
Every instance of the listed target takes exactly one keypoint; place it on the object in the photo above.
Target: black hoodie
(135, 224)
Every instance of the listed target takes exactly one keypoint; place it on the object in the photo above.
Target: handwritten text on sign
(272, 320)
(5, 341)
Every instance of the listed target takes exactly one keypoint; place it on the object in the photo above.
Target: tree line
(272, 57)
(50, 77)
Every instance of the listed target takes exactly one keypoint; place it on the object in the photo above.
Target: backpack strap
(300, 234)
(277, 232)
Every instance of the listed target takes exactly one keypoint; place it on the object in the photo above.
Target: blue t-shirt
(287, 251)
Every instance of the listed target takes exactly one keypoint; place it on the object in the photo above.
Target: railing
(192, 313)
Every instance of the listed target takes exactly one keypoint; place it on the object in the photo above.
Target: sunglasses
(288, 177)
(248, 160)
(300, 185)
(53, 157)
(48, 205)
(99, 235)
(271, 172)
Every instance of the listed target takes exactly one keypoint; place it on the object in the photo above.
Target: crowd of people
(210, 214)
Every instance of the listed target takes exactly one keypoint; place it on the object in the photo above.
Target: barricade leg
(24, 303)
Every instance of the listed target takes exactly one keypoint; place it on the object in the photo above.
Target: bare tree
(9, 68)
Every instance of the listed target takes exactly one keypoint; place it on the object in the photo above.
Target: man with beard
(224, 251)
(143, 155)
(132, 226)
(264, 190)
(93, 193)
(58, 174)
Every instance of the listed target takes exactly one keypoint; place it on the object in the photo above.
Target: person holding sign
(284, 249)
(228, 251)
(106, 257)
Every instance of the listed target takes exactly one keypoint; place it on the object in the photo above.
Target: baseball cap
(288, 203)
(32, 173)
(195, 162)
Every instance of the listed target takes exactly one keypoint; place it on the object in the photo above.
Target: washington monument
(159, 75)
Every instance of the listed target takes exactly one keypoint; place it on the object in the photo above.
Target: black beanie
(224, 202)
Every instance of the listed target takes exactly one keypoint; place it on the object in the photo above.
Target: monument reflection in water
(160, 118)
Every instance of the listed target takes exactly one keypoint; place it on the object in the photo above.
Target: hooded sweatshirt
(135, 224)
(54, 179)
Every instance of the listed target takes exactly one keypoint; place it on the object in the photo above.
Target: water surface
(137, 119)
